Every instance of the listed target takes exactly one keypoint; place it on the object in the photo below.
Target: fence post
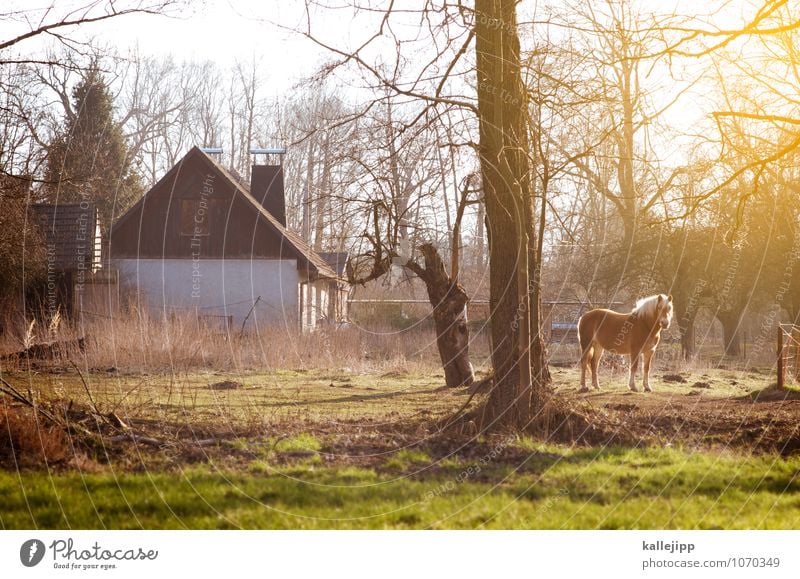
(780, 358)
(793, 341)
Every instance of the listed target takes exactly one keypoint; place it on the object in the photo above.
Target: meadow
(365, 448)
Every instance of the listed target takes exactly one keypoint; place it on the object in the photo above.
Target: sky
(226, 30)
(223, 31)
(218, 30)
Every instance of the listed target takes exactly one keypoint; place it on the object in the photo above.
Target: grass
(551, 488)
(720, 383)
(138, 342)
(325, 395)
(265, 397)
(321, 448)
(303, 442)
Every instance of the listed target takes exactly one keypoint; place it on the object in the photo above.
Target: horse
(636, 333)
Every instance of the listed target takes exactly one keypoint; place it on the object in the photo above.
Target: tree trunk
(449, 301)
(308, 194)
(400, 193)
(506, 177)
(731, 337)
(479, 238)
(323, 196)
(539, 369)
(628, 195)
(686, 327)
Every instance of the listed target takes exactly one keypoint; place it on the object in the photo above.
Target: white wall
(315, 300)
(215, 287)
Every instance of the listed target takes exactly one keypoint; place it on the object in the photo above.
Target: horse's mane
(646, 307)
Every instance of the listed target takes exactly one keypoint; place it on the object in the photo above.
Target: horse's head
(664, 311)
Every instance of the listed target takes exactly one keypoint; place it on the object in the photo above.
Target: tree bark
(731, 337)
(539, 369)
(308, 194)
(323, 195)
(446, 295)
(686, 328)
(480, 250)
(506, 177)
(449, 301)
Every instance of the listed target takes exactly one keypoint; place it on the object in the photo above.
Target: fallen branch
(9, 390)
(48, 350)
(111, 418)
(130, 436)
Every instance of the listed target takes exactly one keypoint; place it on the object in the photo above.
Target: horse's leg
(648, 355)
(598, 352)
(585, 357)
(634, 367)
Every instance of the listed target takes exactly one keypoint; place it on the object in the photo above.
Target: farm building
(338, 306)
(202, 242)
(76, 282)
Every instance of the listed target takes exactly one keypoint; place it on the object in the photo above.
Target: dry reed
(138, 342)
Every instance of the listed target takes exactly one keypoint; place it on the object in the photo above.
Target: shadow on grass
(518, 487)
(351, 398)
(773, 394)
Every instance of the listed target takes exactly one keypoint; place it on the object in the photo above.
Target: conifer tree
(88, 159)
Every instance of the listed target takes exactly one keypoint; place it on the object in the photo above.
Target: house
(337, 306)
(76, 283)
(202, 242)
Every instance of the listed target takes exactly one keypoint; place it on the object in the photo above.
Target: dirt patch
(620, 406)
(226, 385)
(561, 363)
(769, 422)
(705, 385)
(677, 378)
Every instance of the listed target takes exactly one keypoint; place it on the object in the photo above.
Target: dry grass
(24, 441)
(137, 342)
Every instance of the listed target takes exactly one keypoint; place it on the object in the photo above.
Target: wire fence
(788, 354)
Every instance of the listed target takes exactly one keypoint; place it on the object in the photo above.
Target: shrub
(24, 441)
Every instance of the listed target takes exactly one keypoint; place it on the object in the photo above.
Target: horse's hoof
(648, 389)
(633, 389)
(583, 389)
(596, 387)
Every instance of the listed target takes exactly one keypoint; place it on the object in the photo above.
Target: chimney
(266, 185)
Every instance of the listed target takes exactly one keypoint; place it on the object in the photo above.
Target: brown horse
(636, 333)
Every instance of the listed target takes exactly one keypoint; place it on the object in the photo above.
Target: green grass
(408, 458)
(303, 442)
(554, 487)
(318, 456)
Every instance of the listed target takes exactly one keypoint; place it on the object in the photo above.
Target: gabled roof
(336, 259)
(70, 234)
(297, 245)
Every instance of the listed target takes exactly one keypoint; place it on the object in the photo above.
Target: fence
(788, 354)
(559, 317)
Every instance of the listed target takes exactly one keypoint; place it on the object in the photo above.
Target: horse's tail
(584, 334)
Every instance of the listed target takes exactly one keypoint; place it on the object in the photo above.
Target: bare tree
(321, 169)
(385, 235)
